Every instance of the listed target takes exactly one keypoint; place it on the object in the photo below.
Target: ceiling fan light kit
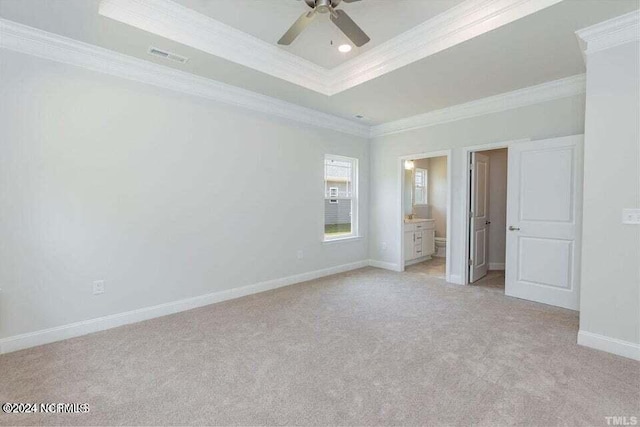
(338, 16)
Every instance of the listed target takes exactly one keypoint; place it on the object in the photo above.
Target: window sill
(342, 239)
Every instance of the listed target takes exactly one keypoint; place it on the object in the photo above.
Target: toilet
(441, 247)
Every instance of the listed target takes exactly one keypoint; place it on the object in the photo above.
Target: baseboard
(610, 345)
(46, 336)
(496, 266)
(453, 278)
(385, 265)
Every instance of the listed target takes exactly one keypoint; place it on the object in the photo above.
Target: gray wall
(610, 290)
(162, 195)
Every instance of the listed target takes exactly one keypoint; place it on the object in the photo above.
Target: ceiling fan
(338, 16)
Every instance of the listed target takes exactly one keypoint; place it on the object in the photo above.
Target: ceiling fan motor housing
(338, 16)
(322, 6)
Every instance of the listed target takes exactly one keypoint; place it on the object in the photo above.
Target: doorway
(425, 181)
(543, 218)
(488, 213)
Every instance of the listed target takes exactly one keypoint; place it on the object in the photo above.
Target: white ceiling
(532, 50)
(268, 20)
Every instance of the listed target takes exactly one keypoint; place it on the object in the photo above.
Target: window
(420, 187)
(340, 197)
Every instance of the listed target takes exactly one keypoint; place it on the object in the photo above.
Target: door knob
(512, 228)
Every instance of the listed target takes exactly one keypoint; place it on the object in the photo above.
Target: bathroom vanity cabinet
(419, 240)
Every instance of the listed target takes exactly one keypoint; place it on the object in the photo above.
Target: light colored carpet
(368, 347)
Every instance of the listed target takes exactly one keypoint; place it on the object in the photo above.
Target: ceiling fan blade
(349, 28)
(350, 1)
(297, 27)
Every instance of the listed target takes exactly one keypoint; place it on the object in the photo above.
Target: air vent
(168, 55)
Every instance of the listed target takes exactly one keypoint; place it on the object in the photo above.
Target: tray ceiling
(268, 20)
(455, 25)
(534, 49)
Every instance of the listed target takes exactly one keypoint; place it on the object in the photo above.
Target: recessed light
(344, 48)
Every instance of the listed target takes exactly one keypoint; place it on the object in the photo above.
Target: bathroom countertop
(414, 220)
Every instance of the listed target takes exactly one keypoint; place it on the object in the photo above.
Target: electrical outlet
(631, 216)
(98, 287)
(300, 254)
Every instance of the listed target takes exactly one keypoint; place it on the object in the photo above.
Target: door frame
(466, 162)
(426, 155)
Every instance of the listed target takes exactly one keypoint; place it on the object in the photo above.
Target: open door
(543, 220)
(479, 241)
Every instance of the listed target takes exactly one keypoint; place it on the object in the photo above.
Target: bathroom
(425, 215)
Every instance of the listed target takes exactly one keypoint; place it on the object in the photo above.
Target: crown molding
(465, 21)
(32, 41)
(191, 28)
(613, 32)
(562, 88)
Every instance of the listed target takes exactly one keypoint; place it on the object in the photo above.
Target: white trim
(610, 345)
(466, 195)
(427, 155)
(191, 28)
(384, 265)
(32, 41)
(45, 336)
(455, 279)
(496, 266)
(613, 32)
(458, 24)
(342, 239)
(354, 197)
(562, 88)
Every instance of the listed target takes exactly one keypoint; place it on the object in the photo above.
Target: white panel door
(543, 219)
(480, 216)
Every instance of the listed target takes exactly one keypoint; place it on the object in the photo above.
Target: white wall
(610, 289)
(162, 195)
(560, 117)
(497, 207)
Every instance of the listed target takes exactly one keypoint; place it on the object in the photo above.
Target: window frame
(424, 187)
(353, 197)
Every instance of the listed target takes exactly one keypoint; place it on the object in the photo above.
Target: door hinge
(470, 262)
(470, 214)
